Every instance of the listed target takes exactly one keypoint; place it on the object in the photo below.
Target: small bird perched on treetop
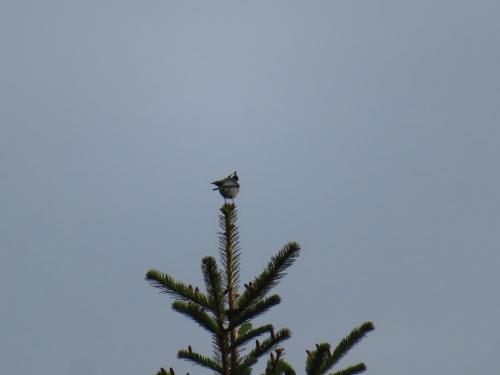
(228, 187)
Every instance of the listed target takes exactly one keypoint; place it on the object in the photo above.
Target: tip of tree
(228, 208)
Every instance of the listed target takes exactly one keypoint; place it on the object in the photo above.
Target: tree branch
(271, 275)
(168, 284)
(197, 314)
(200, 360)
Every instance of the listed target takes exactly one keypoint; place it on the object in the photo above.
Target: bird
(228, 187)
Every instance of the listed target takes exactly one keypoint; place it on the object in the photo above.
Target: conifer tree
(226, 313)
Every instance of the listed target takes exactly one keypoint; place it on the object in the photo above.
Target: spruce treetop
(225, 311)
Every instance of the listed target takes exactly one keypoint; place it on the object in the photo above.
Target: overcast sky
(368, 131)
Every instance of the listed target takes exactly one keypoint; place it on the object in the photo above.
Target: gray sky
(369, 131)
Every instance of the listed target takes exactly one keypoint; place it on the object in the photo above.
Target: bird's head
(235, 176)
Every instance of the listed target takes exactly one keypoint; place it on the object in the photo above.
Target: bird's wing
(231, 183)
(218, 182)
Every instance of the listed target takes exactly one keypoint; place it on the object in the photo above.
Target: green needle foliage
(227, 315)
